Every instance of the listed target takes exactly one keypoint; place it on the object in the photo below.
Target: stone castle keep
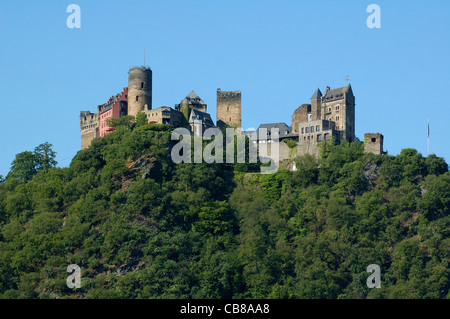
(328, 116)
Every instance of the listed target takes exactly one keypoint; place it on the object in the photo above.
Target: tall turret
(139, 90)
(316, 106)
(228, 108)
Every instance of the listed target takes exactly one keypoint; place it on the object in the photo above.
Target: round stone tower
(139, 90)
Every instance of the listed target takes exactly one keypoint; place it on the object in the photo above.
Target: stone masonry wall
(373, 143)
(228, 108)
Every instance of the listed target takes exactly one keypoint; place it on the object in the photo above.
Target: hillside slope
(140, 226)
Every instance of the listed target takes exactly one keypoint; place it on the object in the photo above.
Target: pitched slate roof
(337, 94)
(317, 95)
(193, 98)
(283, 128)
(205, 118)
(192, 95)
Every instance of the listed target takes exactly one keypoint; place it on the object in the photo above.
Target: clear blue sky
(276, 52)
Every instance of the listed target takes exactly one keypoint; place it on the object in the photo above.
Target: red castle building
(116, 106)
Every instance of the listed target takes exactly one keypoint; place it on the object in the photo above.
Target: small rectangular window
(142, 85)
(137, 98)
(318, 128)
(307, 130)
(303, 130)
(312, 129)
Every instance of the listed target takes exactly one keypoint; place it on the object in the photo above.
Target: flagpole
(428, 139)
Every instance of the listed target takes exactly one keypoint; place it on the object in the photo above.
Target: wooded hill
(140, 226)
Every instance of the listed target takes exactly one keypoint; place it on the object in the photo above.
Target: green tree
(307, 170)
(23, 167)
(141, 227)
(436, 165)
(141, 119)
(215, 219)
(45, 156)
(435, 201)
(126, 122)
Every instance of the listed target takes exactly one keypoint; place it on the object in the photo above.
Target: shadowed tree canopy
(26, 164)
(140, 226)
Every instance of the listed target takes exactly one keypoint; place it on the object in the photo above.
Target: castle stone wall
(89, 123)
(228, 108)
(87, 137)
(164, 115)
(300, 116)
(284, 152)
(373, 143)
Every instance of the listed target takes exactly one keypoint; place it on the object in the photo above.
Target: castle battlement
(228, 108)
(88, 121)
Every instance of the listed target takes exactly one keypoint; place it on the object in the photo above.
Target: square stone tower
(228, 108)
(338, 105)
(373, 143)
(89, 128)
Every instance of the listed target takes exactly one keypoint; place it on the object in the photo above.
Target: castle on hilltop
(328, 116)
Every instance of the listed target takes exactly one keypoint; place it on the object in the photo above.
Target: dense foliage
(140, 226)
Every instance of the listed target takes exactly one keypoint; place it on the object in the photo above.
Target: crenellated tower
(89, 128)
(228, 108)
